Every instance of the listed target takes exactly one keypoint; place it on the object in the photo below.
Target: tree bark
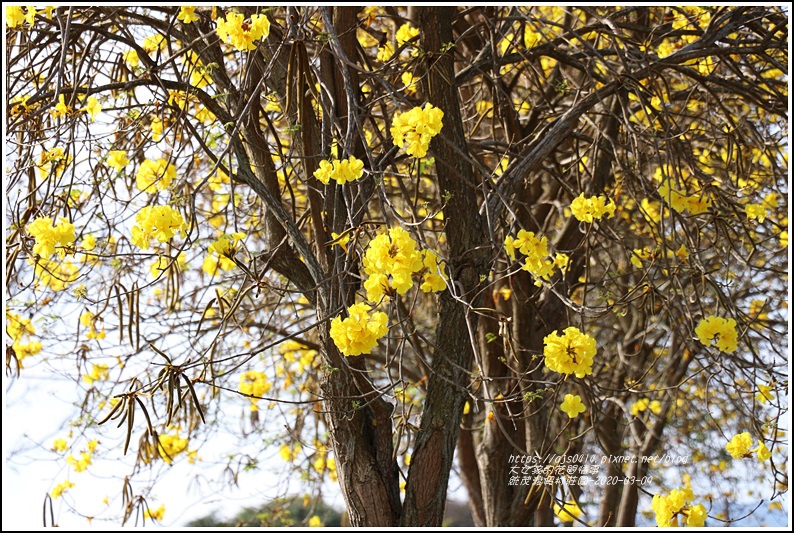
(428, 475)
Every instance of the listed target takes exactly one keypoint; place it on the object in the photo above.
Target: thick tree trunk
(426, 489)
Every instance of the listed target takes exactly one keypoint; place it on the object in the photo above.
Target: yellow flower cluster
(88, 319)
(54, 160)
(170, 445)
(644, 404)
(221, 252)
(536, 249)
(156, 514)
(48, 236)
(323, 463)
(432, 281)
(358, 334)
(158, 173)
(295, 352)
(568, 512)
(56, 275)
(160, 222)
(98, 372)
(117, 159)
(234, 30)
(254, 384)
(341, 171)
(572, 405)
(60, 488)
(390, 261)
(723, 330)
(20, 329)
(226, 244)
(80, 465)
(668, 508)
(415, 128)
(187, 14)
(571, 353)
(405, 33)
(680, 202)
(15, 17)
(593, 208)
(741, 446)
(188, 102)
(200, 76)
(290, 453)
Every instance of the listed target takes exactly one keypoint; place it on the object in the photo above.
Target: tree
(523, 234)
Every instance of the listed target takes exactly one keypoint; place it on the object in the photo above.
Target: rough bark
(426, 488)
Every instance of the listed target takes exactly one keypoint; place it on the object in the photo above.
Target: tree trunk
(428, 475)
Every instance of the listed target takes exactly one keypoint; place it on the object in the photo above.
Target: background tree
(407, 235)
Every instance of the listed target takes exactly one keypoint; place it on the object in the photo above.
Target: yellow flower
(572, 405)
(117, 159)
(48, 236)
(92, 107)
(131, 58)
(14, 16)
(340, 240)
(410, 82)
(385, 52)
(160, 222)
(432, 280)
(740, 445)
(156, 514)
(153, 43)
(405, 34)
(569, 511)
(315, 521)
(79, 465)
(254, 384)
(211, 264)
(343, 171)
(755, 211)
(390, 261)
(536, 249)
(88, 320)
(60, 488)
(88, 243)
(593, 208)
(415, 128)
(61, 108)
(764, 394)
(187, 14)
(235, 31)
(289, 453)
(723, 330)
(226, 245)
(571, 353)
(158, 173)
(762, 451)
(98, 372)
(56, 275)
(358, 334)
(696, 516)
(59, 445)
(171, 445)
(54, 160)
(680, 202)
